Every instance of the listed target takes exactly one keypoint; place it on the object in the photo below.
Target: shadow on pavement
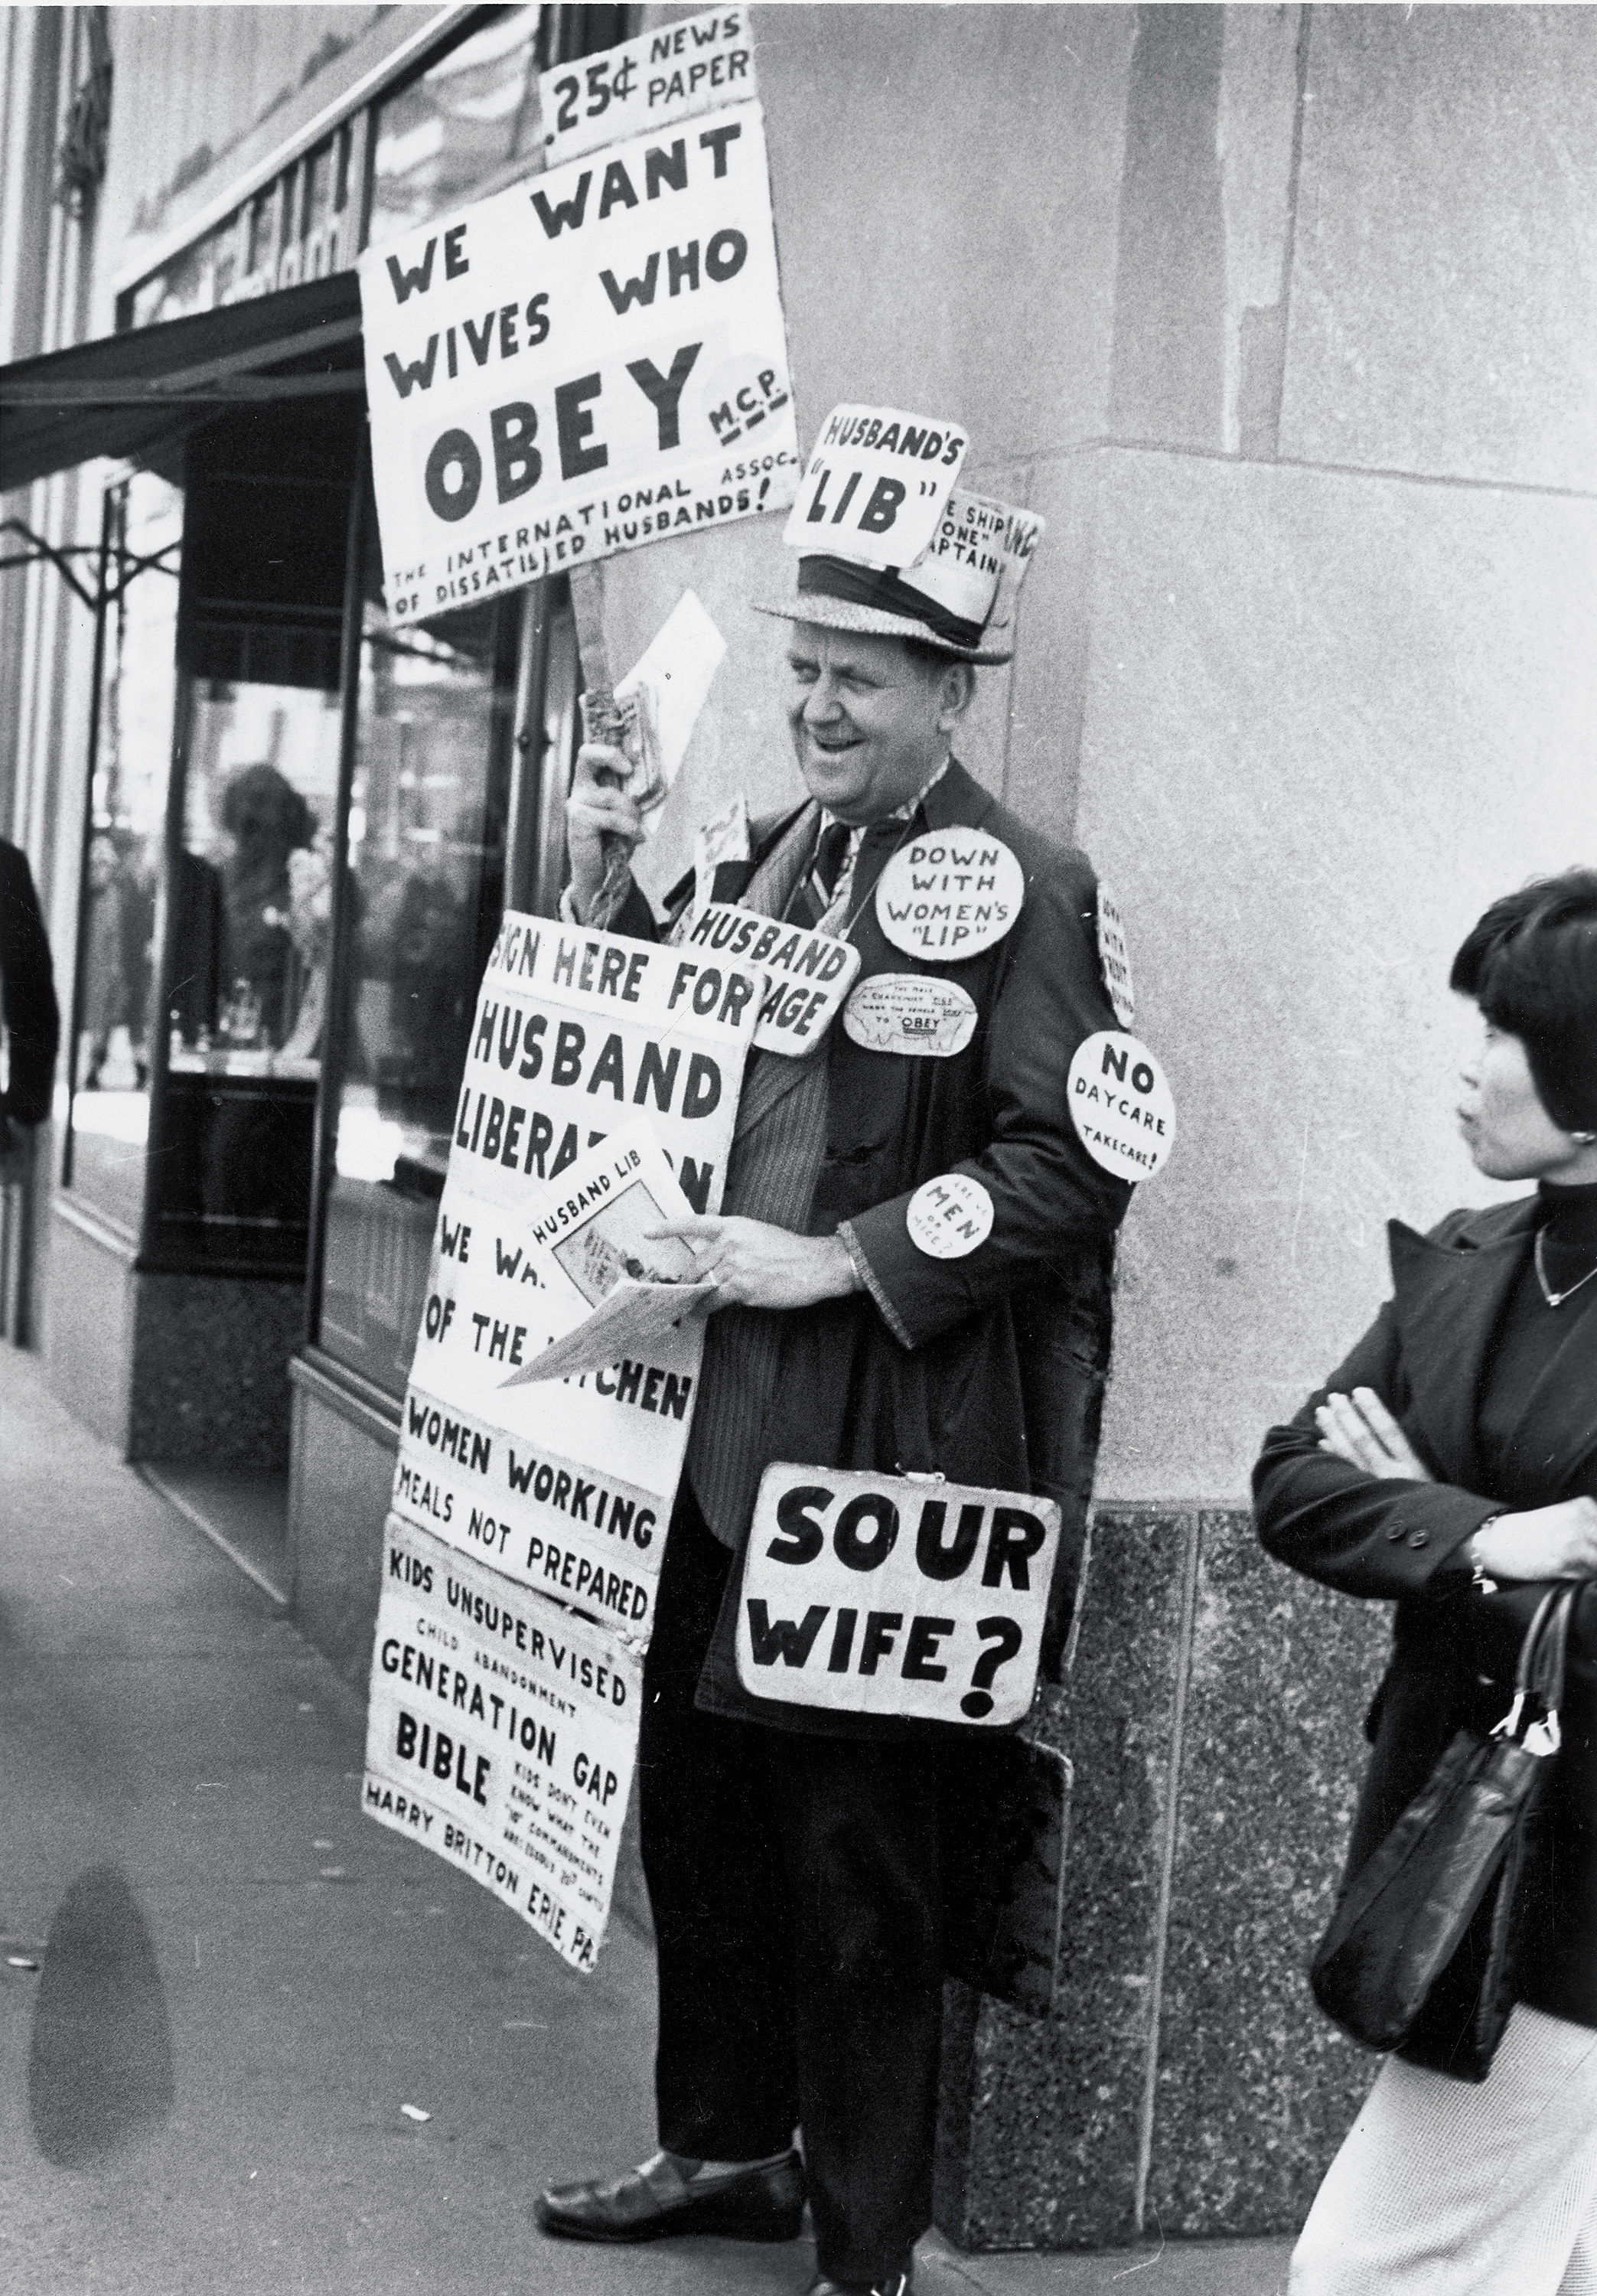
(100, 2066)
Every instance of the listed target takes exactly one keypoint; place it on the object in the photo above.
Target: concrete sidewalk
(239, 1982)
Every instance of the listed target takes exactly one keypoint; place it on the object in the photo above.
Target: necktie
(813, 894)
(831, 848)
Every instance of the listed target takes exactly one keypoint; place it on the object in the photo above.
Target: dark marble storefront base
(1185, 2084)
(168, 1367)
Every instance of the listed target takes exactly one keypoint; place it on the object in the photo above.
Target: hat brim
(874, 622)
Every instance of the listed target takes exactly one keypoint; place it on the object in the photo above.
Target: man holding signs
(911, 1223)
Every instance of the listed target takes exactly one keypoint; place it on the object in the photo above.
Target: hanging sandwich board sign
(599, 1092)
(502, 1734)
(568, 1487)
(592, 359)
(894, 1594)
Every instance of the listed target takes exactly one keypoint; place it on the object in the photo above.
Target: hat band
(882, 587)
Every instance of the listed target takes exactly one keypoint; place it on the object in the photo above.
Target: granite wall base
(168, 1367)
(1186, 2083)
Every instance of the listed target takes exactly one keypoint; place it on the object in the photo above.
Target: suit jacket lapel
(770, 1077)
(1448, 1303)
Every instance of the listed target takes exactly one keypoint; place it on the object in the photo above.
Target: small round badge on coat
(1121, 1105)
(1114, 958)
(911, 1012)
(950, 1216)
(949, 895)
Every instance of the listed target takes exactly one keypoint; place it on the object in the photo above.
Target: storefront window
(109, 1113)
(429, 806)
(470, 118)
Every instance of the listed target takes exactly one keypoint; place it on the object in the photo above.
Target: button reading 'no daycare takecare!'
(949, 895)
(1121, 1104)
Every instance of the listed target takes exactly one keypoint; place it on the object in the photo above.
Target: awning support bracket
(127, 562)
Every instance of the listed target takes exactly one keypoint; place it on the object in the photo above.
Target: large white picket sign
(592, 359)
(600, 1095)
(502, 1734)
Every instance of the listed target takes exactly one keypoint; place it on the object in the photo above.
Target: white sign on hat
(876, 485)
(977, 559)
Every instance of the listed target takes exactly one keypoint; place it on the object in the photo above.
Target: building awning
(133, 395)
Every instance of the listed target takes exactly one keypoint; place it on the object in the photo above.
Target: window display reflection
(110, 1111)
(466, 122)
(251, 899)
(427, 828)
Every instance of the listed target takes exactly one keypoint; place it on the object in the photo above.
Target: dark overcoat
(1453, 1649)
(26, 992)
(988, 1368)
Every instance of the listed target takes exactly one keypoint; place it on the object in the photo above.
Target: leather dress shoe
(656, 2201)
(899, 2283)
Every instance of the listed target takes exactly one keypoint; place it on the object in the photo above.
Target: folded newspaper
(595, 1223)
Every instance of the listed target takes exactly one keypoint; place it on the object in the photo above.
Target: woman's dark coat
(1453, 1649)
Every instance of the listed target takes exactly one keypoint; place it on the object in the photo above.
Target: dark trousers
(798, 1891)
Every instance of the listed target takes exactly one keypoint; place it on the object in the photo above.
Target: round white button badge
(916, 1014)
(949, 1216)
(949, 895)
(1121, 1105)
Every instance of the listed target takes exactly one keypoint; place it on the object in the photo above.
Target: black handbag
(1420, 1954)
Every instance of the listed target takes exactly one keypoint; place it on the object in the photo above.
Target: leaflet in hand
(596, 1224)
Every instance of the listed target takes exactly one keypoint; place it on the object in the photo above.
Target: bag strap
(1539, 1677)
(1552, 1645)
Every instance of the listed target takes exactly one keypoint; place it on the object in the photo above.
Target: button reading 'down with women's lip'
(950, 1216)
(949, 895)
(1121, 1104)
(911, 1012)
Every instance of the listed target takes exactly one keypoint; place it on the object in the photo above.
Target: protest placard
(568, 1486)
(807, 974)
(894, 1595)
(876, 485)
(598, 1097)
(501, 1734)
(672, 73)
(590, 360)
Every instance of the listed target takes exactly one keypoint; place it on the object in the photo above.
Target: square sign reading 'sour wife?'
(592, 359)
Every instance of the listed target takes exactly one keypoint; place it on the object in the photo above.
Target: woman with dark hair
(1450, 1465)
(267, 820)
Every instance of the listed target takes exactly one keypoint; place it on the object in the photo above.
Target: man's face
(871, 723)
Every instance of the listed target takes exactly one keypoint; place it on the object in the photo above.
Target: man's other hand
(754, 1264)
(598, 810)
